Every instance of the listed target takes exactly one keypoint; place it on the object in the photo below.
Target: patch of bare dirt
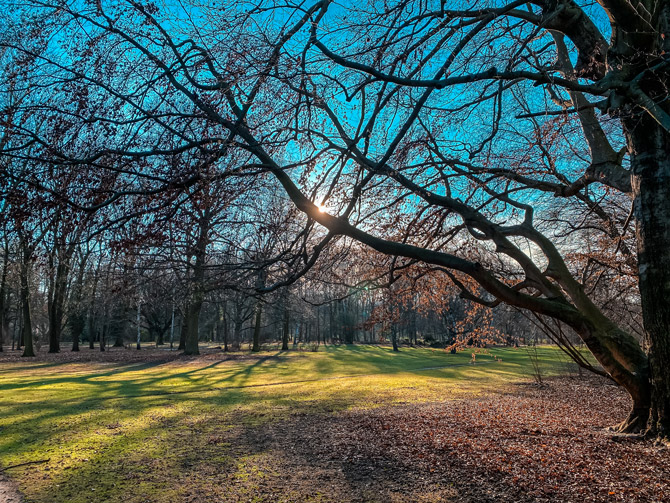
(9, 492)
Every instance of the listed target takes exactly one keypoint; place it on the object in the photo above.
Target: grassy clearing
(165, 430)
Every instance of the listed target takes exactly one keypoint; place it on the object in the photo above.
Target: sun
(320, 207)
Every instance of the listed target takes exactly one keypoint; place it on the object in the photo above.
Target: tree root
(635, 423)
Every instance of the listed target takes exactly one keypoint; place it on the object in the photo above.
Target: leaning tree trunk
(650, 164)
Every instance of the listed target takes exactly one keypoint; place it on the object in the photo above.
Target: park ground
(342, 424)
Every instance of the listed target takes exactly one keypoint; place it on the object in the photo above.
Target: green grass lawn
(157, 431)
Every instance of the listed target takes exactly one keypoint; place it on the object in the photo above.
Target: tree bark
(77, 324)
(650, 164)
(102, 337)
(256, 346)
(223, 319)
(27, 328)
(197, 286)
(91, 330)
(57, 308)
(191, 322)
(4, 323)
(182, 331)
(285, 328)
(237, 333)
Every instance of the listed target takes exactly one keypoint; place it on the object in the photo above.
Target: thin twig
(27, 463)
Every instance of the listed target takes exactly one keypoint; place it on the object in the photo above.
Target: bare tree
(423, 131)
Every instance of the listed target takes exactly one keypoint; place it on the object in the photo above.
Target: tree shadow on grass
(111, 434)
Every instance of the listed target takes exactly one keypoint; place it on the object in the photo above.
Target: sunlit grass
(159, 431)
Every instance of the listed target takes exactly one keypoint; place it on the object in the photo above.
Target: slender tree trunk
(183, 330)
(139, 328)
(285, 329)
(27, 329)
(172, 326)
(91, 312)
(237, 333)
(224, 322)
(16, 329)
(19, 316)
(256, 346)
(91, 329)
(77, 324)
(4, 323)
(102, 337)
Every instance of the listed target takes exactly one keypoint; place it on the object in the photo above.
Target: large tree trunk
(197, 286)
(650, 164)
(57, 308)
(191, 323)
(622, 358)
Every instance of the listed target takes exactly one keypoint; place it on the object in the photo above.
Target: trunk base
(658, 431)
(636, 422)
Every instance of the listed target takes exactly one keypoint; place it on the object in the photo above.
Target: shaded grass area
(172, 430)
